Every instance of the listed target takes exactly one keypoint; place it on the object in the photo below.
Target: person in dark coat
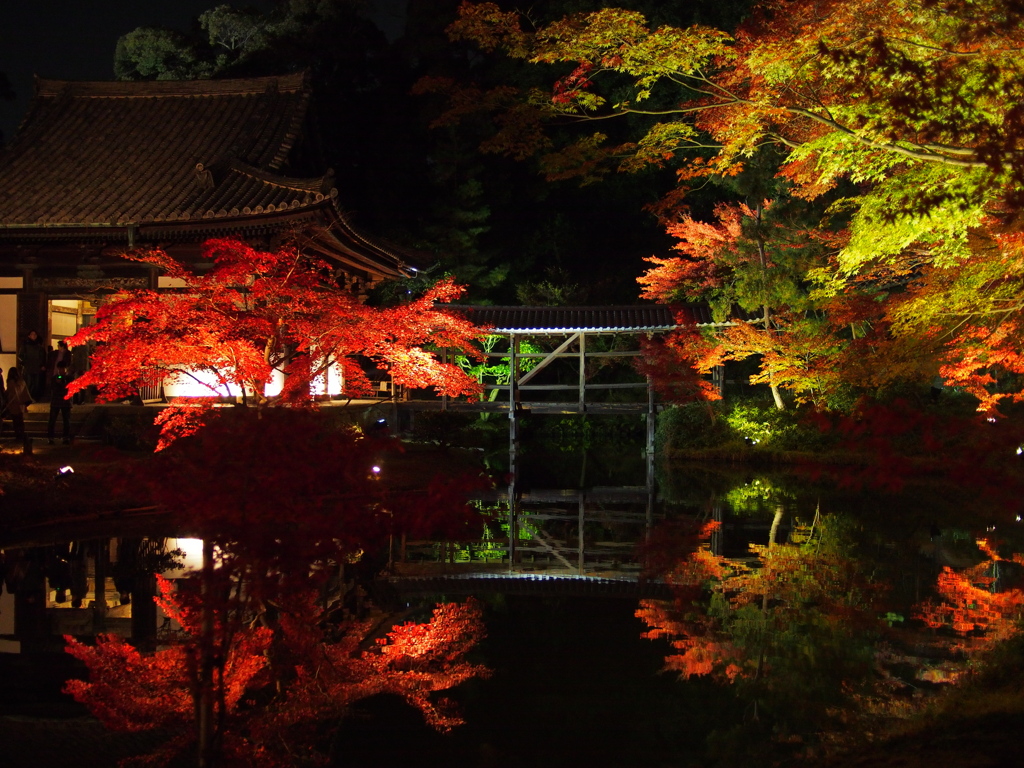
(59, 402)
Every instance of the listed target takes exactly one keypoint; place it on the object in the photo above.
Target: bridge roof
(641, 318)
(530, 584)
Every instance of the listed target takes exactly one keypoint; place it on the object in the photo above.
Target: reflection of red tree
(702, 645)
(968, 604)
(700, 649)
(279, 692)
(794, 626)
(281, 497)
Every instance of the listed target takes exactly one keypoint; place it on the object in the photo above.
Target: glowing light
(375, 469)
(192, 557)
(66, 470)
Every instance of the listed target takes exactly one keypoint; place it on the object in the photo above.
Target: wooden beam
(547, 359)
(541, 538)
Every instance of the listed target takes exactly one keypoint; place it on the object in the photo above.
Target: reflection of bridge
(565, 533)
(534, 584)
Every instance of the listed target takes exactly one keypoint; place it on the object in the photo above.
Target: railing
(151, 394)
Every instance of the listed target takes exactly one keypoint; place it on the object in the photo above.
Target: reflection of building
(86, 586)
(100, 168)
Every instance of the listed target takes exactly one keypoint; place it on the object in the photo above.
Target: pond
(676, 612)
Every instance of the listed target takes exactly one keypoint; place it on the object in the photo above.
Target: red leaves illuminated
(255, 315)
(677, 363)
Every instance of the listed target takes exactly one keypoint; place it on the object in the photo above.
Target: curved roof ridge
(114, 89)
(312, 184)
(401, 257)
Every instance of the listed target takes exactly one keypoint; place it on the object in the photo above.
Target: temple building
(99, 168)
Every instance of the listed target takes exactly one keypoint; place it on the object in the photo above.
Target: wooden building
(98, 168)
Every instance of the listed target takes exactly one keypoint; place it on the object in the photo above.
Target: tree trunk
(204, 692)
(763, 256)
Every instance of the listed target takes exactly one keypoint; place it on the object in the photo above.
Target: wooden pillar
(444, 397)
(513, 522)
(513, 451)
(144, 612)
(717, 540)
(651, 496)
(513, 404)
(652, 417)
(32, 314)
(30, 620)
(581, 545)
(101, 564)
(582, 406)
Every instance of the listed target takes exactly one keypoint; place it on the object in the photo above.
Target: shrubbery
(735, 424)
(690, 426)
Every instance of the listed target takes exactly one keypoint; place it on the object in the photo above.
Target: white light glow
(192, 559)
(206, 384)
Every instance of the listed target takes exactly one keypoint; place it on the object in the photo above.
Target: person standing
(59, 402)
(18, 400)
(55, 358)
(33, 362)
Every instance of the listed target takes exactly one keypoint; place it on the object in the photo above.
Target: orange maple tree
(749, 265)
(901, 116)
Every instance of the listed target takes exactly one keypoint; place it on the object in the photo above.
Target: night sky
(74, 40)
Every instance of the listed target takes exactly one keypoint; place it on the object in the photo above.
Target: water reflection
(791, 603)
(823, 600)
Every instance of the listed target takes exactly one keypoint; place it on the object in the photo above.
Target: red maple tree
(257, 315)
(282, 497)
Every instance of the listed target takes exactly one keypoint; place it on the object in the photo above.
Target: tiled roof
(117, 153)
(636, 319)
(169, 158)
